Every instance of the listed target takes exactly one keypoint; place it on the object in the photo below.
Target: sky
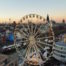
(16, 9)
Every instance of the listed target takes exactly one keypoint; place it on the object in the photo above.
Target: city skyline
(16, 9)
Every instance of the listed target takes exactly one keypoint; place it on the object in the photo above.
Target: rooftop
(62, 43)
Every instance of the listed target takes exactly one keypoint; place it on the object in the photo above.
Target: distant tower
(47, 18)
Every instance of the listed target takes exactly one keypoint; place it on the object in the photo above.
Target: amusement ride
(35, 40)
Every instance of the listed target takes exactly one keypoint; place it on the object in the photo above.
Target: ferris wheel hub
(32, 40)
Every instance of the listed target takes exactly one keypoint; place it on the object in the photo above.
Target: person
(3, 39)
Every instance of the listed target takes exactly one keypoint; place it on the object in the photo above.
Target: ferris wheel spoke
(32, 28)
(36, 32)
(24, 29)
(39, 35)
(38, 54)
(24, 34)
(28, 29)
(25, 41)
(46, 44)
(24, 52)
(34, 46)
(35, 28)
(45, 37)
(28, 51)
(41, 38)
(38, 50)
(40, 46)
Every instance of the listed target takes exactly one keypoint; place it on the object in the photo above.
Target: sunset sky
(15, 9)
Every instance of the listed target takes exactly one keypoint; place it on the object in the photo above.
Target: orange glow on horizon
(56, 18)
(59, 19)
(7, 20)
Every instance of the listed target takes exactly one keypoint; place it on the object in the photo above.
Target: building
(5, 61)
(59, 50)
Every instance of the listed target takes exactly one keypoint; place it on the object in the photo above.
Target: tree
(63, 21)
(14, 24)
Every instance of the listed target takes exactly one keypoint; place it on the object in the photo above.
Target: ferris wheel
(33, 45)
